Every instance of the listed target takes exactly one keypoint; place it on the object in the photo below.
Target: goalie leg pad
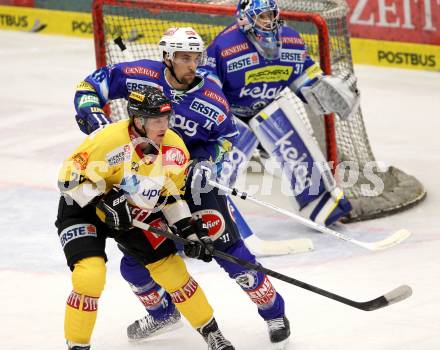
(154, 298)
(186, 294)
(88, 280)
(284, 136)
(328, 208)
(257, 285)
(236, 160)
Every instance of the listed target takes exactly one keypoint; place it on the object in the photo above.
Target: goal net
(323, 25)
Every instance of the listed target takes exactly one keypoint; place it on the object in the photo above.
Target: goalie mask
(259, 19)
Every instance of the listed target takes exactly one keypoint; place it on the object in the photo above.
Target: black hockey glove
(201, 246)
(115, 208)
(90, 119)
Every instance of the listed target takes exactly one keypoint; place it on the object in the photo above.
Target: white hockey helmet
(183, 39)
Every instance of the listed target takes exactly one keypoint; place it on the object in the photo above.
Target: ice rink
(38, 130)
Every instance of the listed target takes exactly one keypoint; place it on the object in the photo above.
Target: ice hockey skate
(148, 327)
(214, 337)
(77, 347)
(279, 332)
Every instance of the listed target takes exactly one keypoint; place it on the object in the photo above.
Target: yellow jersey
(112, 157)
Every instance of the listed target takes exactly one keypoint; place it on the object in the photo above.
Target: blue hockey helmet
(259, 19)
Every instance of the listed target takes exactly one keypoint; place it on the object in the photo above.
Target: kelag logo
(406, 58)
(268, 74)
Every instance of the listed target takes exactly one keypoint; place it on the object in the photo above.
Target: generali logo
(139, 70)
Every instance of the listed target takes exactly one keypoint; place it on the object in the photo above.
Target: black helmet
(149, 102)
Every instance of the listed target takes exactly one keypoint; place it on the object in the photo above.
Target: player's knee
(134, 272)
(169, 272)
(88, 276)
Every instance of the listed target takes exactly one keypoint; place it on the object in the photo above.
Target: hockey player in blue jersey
(204, 121)
(256, 59)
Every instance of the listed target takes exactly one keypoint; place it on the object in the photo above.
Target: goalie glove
(201, 246)
(114, 211)
(332, 94)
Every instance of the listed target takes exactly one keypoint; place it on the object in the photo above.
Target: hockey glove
(201, 246)
(90, 119)
(333, 94)
(115, 210)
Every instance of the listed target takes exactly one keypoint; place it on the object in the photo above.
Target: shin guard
(186, 294)
(88, 279)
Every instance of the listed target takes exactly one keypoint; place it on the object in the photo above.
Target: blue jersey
(250, 82)
(202, 114)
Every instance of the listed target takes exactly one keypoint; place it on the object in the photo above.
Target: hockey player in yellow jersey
(133, 168)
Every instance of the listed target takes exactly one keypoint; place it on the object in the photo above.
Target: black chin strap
(171, 69)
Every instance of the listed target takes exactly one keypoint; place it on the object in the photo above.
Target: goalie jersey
(111, 157)
(202, 114)
(250, 82)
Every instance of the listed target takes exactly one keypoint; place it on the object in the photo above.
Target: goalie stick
(398, 294)
(386, 243)
(258, 246)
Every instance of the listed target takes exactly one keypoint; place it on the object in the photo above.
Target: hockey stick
(386, 243)
(392, 297)
(261, 247)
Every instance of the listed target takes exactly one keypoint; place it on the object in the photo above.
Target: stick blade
(391, 241)
(260, 247)
(400, 293)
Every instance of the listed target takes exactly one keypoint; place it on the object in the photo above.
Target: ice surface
(37, 127)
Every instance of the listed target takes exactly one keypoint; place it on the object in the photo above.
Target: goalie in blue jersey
(257, 58)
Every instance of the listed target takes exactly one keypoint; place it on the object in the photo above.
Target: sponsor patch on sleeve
(85, 86)
(313, 71)
(77, 231)
(80, 160)
(88, 101)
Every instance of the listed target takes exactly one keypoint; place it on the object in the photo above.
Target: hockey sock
(186, 294)
(88, 279)
(154, 298)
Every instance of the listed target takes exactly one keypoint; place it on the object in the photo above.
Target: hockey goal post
(322, 23)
